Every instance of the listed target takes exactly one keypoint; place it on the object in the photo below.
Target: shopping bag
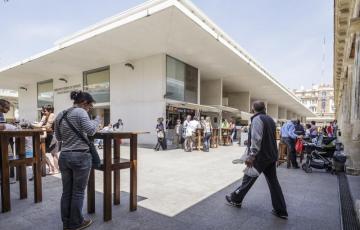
(299, 146)
(251, 172)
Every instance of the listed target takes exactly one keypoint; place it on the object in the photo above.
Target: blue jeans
(207, 141)
(75, 169)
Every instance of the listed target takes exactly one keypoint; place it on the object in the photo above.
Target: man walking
(262, 156)
(288, 136)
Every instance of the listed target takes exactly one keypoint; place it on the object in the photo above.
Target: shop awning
(232, 110)
(245, 115)
(188, 105)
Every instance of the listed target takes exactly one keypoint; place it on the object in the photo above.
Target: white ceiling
(168, 31)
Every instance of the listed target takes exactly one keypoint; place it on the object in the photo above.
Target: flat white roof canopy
(176, 28)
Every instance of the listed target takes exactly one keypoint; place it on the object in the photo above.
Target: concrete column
(211, 92)
(282, 113)
(240, 100)
(302, 119)
(199, 87)
(288, 115)
(349, 133)
(273, 111)
(28, 103)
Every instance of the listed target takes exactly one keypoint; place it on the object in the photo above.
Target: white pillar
(288, 115)
(240, 100)
(211, 92)
(273, 111)
(282, 113)
(28, 103)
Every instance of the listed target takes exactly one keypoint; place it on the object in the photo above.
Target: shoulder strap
(61, 119)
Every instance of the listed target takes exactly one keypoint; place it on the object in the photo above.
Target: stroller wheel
(306, 168)
(303, 166)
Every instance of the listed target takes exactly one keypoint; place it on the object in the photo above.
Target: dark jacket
(299, 129)
(263, 132)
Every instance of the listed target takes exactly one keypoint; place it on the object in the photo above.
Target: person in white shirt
(193, 125)
(188, 134)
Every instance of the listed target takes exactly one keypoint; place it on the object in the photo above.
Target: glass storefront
(45, 93)
(97, 83)
(181, 81)
(174, 113)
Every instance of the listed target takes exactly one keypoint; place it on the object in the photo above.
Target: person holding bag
(262, 155)
(78, 155)
(160, 133)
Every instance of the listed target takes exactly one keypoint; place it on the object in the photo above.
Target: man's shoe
(296, 167)
(277, 214)
(85, 224)
(232, 203)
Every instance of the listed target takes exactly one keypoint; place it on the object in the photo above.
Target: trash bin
(339, 160)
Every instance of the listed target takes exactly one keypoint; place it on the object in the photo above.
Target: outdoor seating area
(20, 161)
(147, 114)
(209, 212)
(111, 163)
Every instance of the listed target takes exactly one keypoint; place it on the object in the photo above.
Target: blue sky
(285, 36)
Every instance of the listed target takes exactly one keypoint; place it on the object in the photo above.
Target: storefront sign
(67, 89)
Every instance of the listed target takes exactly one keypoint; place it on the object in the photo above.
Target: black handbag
(94, 153)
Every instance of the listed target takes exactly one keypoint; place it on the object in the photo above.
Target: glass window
(191, 84)
(175, 79)
(181, 81)
(45, 93)
(97, 83)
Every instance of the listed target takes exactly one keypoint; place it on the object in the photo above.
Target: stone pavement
(312, 199)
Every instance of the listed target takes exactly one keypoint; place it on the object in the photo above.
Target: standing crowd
(293, 130)
(185, 133)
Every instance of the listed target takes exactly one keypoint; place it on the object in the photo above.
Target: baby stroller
(318, 156)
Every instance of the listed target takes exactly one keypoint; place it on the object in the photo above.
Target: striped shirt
(2, 118)
(80, 119)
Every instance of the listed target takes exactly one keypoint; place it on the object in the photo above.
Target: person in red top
(330, 130)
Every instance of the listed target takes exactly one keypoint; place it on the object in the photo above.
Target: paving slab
(180, 190)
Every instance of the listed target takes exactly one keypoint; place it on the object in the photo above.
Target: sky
(284, 36)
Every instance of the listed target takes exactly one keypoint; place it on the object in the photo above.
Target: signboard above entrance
(67, 89)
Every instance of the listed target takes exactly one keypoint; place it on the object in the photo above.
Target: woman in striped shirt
(75, 158)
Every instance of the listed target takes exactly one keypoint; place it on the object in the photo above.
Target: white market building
(163, 58)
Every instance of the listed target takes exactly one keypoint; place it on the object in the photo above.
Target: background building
(320, 100)
(139, 67)
(347, 77)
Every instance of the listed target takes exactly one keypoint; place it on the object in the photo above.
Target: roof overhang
(174, 27)
(187, 105)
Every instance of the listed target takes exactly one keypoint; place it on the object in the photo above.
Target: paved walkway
(186, 191)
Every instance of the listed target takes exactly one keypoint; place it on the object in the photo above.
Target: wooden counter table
(199, 138)
(225, 135)
(114, 164)
(20, 161)
(214, 141)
